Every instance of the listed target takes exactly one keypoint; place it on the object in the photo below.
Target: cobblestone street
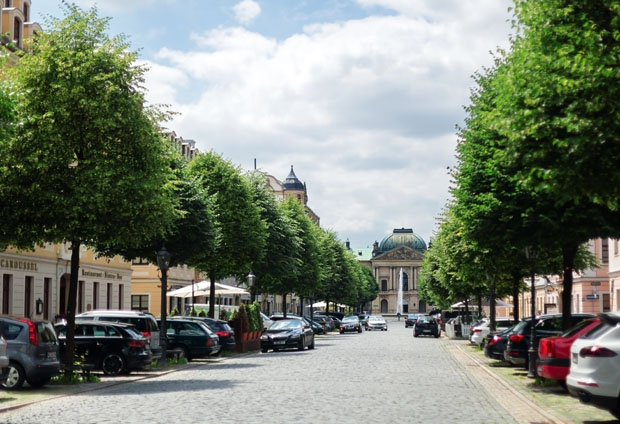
(371, 377)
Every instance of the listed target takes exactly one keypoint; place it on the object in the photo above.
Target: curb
(552, 419)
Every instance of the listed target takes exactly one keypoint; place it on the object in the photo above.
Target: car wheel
(184, 353)
(415, 335)
(301, 344)
(311, 344)
(15, 378)
(360, 330)
(437, 335)
(264, 350)
(113, 364)
(38, 382)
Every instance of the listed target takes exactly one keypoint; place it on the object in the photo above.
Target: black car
(350, 324)
(113, 348)
(496, 344)
(426, 326)
(192, 338)
(410, 320)
(287, 334)
(546, 326)
(222, 329)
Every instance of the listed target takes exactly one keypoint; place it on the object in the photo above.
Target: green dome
(403, 237)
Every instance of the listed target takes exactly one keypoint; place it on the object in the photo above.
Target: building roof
(402, 237)
(363, 254)
(292, 182)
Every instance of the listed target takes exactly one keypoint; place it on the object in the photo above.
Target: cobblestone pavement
(378, 376)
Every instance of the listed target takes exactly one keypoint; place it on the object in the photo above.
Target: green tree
(87, 164)
(282, 257)
(241, 234)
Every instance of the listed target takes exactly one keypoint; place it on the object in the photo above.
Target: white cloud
(246, 11)
(365, 109)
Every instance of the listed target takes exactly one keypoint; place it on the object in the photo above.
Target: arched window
(384, 306)
(17, 32)
(384, 285)
(405, 282)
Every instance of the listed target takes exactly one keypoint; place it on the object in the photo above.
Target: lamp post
(251, 281)
(163, 262)
(532, 254)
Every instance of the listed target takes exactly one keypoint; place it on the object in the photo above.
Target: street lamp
(531, 253)
(251, 280)
(163, 262)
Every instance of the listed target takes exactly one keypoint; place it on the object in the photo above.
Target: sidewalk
(527, 401)
(27, 395)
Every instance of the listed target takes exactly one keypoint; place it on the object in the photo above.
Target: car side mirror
(306, 326)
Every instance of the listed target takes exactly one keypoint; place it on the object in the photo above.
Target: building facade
(15, 25)
(401, 250)
(36, 284)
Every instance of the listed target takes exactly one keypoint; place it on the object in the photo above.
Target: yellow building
(15, 25)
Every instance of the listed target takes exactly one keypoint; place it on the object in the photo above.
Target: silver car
(376, 322)
(4, 360)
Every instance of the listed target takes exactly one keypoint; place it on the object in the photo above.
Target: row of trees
(537, 157)
(83, 161)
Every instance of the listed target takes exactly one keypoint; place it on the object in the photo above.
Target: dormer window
(26, 12)
(7, 3)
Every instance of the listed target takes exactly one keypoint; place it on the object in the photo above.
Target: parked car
(554, 352)
(350, 324)
(363, 319)
(376, 322)
(595, 365)
(225, 333)
(338, 315)
(4, 360)
(286, 334)
(32, 350)
(317, 328)
(426, 326)
(410, 320)
(482, 330)
(112, 347)
(266, 321)
(192, 338)
(546, 326)
(144, 322)
(325, 320)
(496, 344)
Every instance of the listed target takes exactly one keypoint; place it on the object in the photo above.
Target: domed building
(403, 249)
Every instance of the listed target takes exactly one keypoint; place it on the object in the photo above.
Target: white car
(481, 331)
(376, 322)
(595, 365)
(266, 321)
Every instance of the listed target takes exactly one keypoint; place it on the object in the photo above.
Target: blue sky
(361, 96)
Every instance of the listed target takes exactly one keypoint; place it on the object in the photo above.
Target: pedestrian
(398, 315)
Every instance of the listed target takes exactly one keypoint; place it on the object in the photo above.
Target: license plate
(51, 355)
(575, 358)
(427, 331)
(279, 342)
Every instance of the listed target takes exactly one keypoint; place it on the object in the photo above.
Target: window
(120, 296)
(47, 298)
(109, 296)
(140, 261)
(7, 3)
(17, 32)
(405, 282)
(140, 302)
(95, 295)
(605, 251)
(384, 286)
(616, 247)
(6, 293)
(28, 296)
(80, 296)
(27, 12)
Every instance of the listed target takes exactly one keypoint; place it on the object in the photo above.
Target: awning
(203, 288)
(473, 305)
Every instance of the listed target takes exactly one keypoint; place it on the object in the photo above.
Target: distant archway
(384, 306)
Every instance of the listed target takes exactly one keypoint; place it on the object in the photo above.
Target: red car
(554, 352)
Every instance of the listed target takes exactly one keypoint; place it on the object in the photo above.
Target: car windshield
(577, 328)
(520, 326)
(411, 316)
(285, 324)
(422, 320)
(45, 332)
(351, 318)
(375, 318)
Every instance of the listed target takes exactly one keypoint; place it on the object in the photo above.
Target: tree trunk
(492, 306)
(479, 304)
(301, 302)
(568, 264)
(326, 305)
(466, 319)
(284, 305)
(516, 281)
(71, 305)
(212, 294)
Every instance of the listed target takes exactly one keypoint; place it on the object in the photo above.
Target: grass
(75, 378)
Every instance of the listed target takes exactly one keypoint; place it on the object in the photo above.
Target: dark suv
(519, 338)
(32, 351)
(426, 326)
(111, 347)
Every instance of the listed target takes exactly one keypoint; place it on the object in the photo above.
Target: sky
(362, 97)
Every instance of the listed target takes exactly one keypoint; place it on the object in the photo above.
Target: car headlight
(264, 338)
